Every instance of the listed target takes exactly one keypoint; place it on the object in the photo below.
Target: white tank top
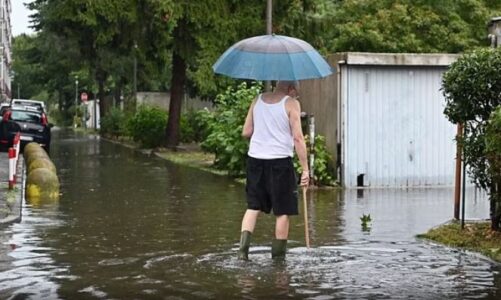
(272, 135)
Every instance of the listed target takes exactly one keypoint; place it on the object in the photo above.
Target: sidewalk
(10, 200)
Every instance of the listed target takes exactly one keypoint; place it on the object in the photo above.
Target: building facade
(5, 50)
(382, 116)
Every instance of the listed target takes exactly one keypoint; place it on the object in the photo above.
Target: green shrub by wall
(147, 126)
(323, 175)
(225, 138)
(114, 123)
(195, 126)
(472, 92)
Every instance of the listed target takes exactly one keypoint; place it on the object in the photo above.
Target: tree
(493, 150)
(202, 31)
(42, 63)
(472, 92)
(27, 72)
(97, 28)
(410, 25)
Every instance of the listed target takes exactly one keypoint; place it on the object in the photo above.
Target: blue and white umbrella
(272, 57)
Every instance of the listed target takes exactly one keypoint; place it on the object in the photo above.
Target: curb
(14, 198)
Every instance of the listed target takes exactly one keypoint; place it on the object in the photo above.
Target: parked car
(4, 106)
(40, 105)
(30, 122)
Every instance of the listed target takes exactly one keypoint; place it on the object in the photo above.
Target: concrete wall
(494, 28)
(162, 100)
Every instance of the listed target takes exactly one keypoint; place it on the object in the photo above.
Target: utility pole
(457, 185)
(76, 101)
(135, 72)
(269, 16)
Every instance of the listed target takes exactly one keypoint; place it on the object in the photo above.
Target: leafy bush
(147, 126)
(225, 137)
(493, 134)
(493, 150)
(195, 126)
(322, 173)
(472, 91)
(60, 118)
(114, 123)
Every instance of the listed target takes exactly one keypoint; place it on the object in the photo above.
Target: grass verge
(476, 237)
(191, 158)
(187, 155)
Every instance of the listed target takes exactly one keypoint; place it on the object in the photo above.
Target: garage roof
(396, 59)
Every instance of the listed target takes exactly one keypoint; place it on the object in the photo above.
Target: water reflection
(130, 226)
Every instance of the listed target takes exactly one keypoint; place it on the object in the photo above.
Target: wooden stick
(306, 230)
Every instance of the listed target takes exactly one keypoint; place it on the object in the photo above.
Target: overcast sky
(19, 18)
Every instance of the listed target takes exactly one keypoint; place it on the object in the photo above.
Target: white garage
(389, 129)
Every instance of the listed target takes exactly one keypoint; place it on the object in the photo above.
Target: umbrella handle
(306, 230)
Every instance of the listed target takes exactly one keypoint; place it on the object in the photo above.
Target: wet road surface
(131, 226)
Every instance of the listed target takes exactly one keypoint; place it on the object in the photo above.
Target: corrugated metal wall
(394, 129)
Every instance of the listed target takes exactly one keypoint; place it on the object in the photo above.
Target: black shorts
(272, 184)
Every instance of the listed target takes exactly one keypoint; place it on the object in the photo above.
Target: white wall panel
(395, 131)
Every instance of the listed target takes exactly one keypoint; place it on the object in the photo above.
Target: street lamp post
(135, 72)
(269, 31)
(76, 100)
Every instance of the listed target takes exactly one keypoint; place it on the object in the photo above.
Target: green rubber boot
(243, 251)
(278, 249)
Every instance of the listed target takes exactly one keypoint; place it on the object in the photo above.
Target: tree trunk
(495, 196)
(176, 100)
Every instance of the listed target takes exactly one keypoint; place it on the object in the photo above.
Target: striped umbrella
(272, 57)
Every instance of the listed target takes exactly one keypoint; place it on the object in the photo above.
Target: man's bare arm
(294, 109)
(248, 128)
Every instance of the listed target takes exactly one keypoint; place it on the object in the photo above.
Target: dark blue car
(32, 125)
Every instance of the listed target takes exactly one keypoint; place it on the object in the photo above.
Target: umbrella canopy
(272, 57)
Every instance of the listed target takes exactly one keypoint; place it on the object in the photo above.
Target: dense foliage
(411, 25)
(225, 139)
(114, 123)
(195, 125)
(99, 41)
(493, 150)
(147, 126)
(472, 92)
(322, 174)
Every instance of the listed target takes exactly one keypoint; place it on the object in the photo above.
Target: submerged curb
(11, 200)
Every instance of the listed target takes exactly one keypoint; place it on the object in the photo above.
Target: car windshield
(26, 116)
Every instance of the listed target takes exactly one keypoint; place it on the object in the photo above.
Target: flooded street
(132, 226)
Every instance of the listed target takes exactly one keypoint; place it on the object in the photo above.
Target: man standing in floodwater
(273, 125)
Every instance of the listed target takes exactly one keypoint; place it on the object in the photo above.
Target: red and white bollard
(12, 167)
(17, 145)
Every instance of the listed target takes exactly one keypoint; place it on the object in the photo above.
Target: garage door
(394, 131)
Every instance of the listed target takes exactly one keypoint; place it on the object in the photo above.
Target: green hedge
(147, 126)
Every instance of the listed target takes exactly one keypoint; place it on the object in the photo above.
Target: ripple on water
(371, 271)
(150, 263)
(118, 261)
(94, 291)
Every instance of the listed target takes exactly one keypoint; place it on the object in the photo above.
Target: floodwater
(132, 226)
